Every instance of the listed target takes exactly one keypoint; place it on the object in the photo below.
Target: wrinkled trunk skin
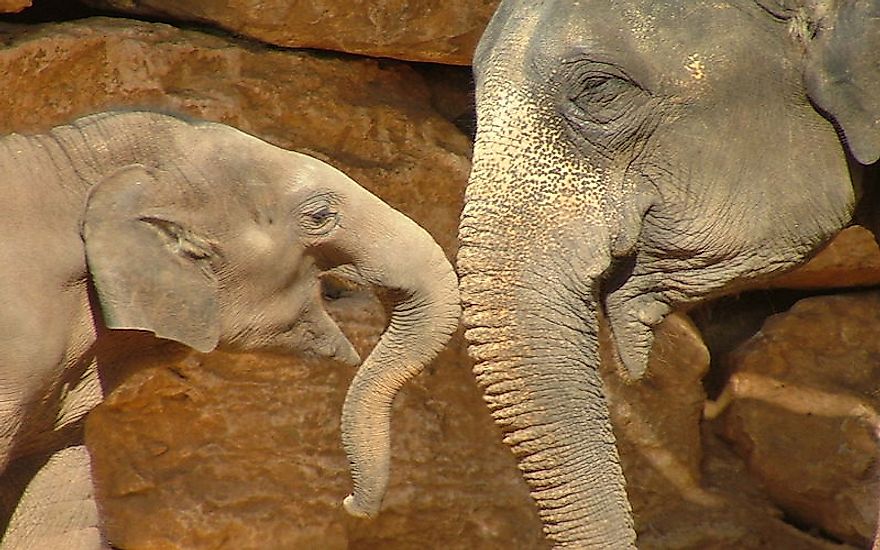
(535, 241)
(536, 362)
(402, 257)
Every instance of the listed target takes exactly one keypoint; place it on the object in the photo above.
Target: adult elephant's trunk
(403, 258)
(535, 243)
(533, 335)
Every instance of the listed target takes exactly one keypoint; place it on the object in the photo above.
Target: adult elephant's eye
(319, 217)
(602, 98)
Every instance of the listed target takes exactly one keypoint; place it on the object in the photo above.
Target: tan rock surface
(687, 489)
(440, 31)
(244, 451)
(742, 518)
(851, 259)
(802, 410)
(13, 6)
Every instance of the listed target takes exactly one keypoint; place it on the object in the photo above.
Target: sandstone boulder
(851, 259)
(13, 6)
(741, 519)
(244, 450)
(687, 489)
(423, 30)
(802, 410)
(657, 419)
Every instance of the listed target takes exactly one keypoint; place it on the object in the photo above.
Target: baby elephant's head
(222, 244)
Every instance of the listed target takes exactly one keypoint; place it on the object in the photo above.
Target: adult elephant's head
(222, 244)
(631, 157)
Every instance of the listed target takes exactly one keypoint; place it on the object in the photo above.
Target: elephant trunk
(531, 320)
(408, 263)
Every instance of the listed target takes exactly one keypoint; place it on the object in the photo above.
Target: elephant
(129, 232)
(632, 158)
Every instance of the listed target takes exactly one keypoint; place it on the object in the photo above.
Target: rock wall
(759, 438)
(804, 411)
(13, 6)
(439, 31)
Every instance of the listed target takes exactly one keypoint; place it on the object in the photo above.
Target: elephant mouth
(340, 283)
(343, 352)
(316, 337)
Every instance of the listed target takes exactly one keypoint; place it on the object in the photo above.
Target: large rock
(440, 31)
(687, 490)
(657, 419)
(245, 450)
(802, 410)
(13, 6)
(740, 518)
(851, 259)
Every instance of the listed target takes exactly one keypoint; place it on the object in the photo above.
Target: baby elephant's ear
(842, 74)
(151, 271)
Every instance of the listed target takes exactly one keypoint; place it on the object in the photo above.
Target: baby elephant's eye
(319, 219)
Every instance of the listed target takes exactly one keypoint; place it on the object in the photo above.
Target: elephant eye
(602, 98)
(319, 217)
(601, 105)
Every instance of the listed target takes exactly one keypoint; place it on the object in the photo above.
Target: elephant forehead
(307, 170)
(674, 48)
(299, 175)
(220, 148)
(693, 47)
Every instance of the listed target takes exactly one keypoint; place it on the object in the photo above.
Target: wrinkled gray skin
(634, 157)
(199, 234)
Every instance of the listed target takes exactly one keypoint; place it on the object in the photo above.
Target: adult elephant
(632, 157)
(124, 231)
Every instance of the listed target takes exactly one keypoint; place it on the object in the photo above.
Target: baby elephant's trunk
(406, 261)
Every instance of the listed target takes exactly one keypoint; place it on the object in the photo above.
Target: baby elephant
(124, 231)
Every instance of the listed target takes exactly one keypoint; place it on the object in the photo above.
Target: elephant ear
(150, 270)
(842, 74)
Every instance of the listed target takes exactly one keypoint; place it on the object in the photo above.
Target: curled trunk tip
(422, 321)
(359, 509)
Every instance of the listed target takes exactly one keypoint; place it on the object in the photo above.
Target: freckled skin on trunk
(535, 360)
(562, 439)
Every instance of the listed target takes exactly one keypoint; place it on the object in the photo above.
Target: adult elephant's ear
(150, 270)
(842, 73)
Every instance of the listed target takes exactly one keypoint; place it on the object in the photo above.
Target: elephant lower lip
(345, 355)
(348, 357)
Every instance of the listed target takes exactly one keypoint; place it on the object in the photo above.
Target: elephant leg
(35, 333)
(58, 508)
